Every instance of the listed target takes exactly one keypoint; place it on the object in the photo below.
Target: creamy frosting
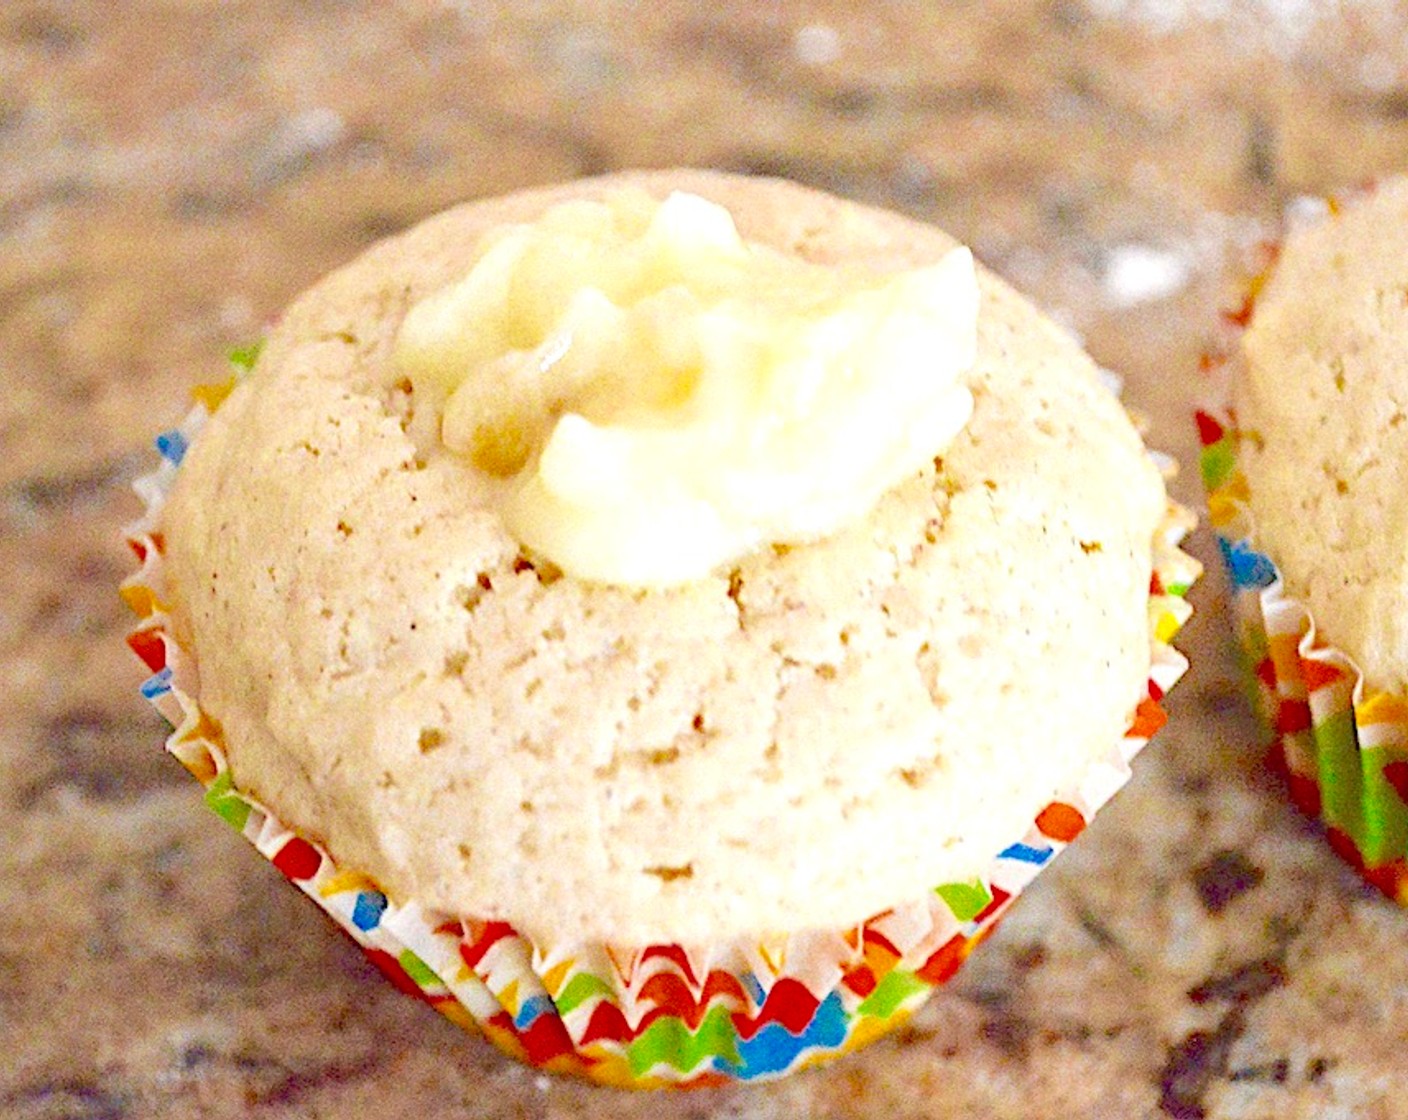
(661, 396)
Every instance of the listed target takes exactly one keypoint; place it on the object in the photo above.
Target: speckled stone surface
(171, 173)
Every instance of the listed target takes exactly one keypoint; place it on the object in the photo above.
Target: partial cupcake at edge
(1305, 461)
(665, 618)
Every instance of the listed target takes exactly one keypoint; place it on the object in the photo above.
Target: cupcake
(664, 618)
(1304, 475)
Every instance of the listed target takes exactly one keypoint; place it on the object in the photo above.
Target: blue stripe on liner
(531, 1010)
(775, 1050)
(172, 446)
(157, 685)
(1247, 567)
(366, 914)
(1025, 853)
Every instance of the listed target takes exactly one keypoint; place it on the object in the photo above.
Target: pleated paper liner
(1341, 743)
(652, 1015)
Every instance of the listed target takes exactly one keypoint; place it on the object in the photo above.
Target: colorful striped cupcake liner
(1341, 743)
(654, 1015)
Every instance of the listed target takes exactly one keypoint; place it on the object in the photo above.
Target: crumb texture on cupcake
(800, 739)
(1322, 400)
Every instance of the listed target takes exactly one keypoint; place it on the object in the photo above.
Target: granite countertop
(172, 172)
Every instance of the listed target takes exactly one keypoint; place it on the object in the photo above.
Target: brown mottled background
(172, 172)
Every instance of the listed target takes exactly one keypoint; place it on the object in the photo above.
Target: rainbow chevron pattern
(656, 1015)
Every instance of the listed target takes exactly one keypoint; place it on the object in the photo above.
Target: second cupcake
(1306, 478)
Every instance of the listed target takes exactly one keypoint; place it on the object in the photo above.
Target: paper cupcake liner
(655, 1015)
(1341, 742)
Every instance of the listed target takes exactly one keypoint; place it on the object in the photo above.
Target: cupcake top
(1322, 399)
(799, 738)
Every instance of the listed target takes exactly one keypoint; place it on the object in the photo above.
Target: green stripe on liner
(668, 1041)
(1178, 589)
(1250, 650)
(1385, 816)
(1217, 463)
(966, 900)
(1341, 776)
(1255, 645)
(891, 994)
(244, 357)
(222, 800)
(417, 969)
(580, 989)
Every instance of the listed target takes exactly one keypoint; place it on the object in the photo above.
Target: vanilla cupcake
(664, 618)
(1307, 481)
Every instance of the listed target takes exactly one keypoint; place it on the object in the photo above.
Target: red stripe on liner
(860, 980)
(676, 955)
(672, 996)
(1318, 674)
(606, 1024)
(1292, 716)
(545, 1039)
(1000, 898)
(1209, 430)
(1396, 775)
(393, 971)
(1266, 672)
(875, 938)
(788, 1004)
(298, 859)
(147, 645)
(480, 938)
(944, 961)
